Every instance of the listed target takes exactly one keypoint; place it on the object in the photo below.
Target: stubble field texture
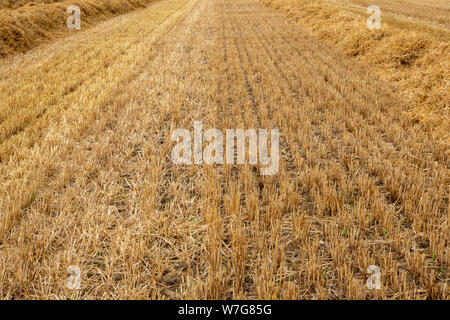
(86, 176)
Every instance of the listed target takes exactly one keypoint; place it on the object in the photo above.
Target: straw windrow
(411, 50)
(25, 24)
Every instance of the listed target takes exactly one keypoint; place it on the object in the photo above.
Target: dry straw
(26, 24)
(414, 56)
(86, 177)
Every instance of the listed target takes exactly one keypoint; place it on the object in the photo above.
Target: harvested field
(14, 4)
(26, 24)
(87, 179)
(411, 50)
